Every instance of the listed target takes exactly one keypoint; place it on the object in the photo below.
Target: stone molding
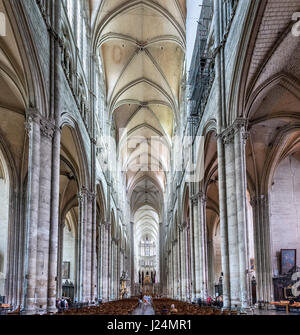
(240, 125)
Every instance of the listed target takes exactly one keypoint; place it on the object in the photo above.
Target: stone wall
(69, 252)
(285, 211)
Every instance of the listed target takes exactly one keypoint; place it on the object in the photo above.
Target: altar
(283, 286)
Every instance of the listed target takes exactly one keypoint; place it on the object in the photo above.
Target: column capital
(194, 199)
(198, 196)
(202, 197)
(182, 226)
(240, 125)
(84, 192)
(227, 135)
(32, 115)
(91, 196)
(47, 128)
(107, 225)
(258, 199)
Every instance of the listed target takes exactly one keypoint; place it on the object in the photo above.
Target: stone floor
(148, 310)
(271, 312)
(144, 310)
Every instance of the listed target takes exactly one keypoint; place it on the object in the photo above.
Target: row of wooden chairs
(120, 307)
(183, 308)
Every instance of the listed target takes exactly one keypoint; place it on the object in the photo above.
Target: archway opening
(70, 200)
(69, 266)
(146, 250)
(4, 220)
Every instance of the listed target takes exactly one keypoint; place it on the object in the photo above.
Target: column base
(28, 312)
(36, 311)
(52, 310)
(246, 311)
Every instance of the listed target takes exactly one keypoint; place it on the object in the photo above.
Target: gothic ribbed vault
(142, 47)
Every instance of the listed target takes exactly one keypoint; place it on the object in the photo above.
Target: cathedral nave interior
(149, 147)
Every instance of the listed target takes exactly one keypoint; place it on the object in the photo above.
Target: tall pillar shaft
(263, 262)
(44, 220)
(132, 257)
(241, 195)
(54, 226)
(233, 245)
(82, 238)
(88, 244)
(184, 263)
(94, 265)
(106, 233)
(33, 207)
(223, 225)
(203, 246)
(197, 247)
(60, 259)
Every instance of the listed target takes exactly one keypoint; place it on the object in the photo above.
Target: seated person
(173, 310)
(164, 311)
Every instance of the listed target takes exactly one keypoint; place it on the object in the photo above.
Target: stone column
(132, 257)
(183, 263)
(60, 258)
(223, 225)
(169, 274)
(197, 246)
(82, 199)
(240, 138)
(109, 262)
(33, 128)
(55, 111)
(94, 272)
(263, 260)
(160, 278)
(189, 261)
(233, 243)
(77, 260)
(179, 262)
(47, 131)
(53, 252)
(113, 268)
(175, 262)
(88, 245)
(203, 245)
(100, 261)
(105, 262)
(191, 233)
(171, 271)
